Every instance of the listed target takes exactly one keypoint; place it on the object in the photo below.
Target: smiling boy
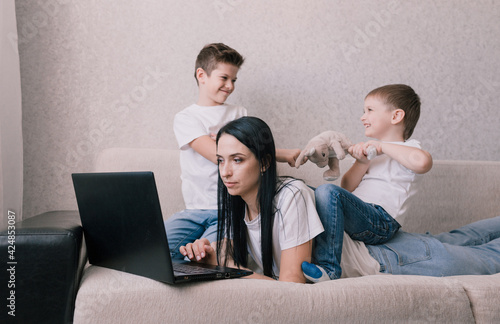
(216, 71)
(372, 201)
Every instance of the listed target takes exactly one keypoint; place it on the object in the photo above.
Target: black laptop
(124, 229)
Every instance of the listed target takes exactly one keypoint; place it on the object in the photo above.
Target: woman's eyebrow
(237, 154)
(233, 154)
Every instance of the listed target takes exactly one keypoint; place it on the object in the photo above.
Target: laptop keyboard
(192, 269)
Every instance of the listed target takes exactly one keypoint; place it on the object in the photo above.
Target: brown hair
(401, 96)
(215, 53)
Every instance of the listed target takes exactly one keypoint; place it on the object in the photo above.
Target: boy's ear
(200, 75)
(397, 116)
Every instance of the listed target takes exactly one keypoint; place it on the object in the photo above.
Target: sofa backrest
(163, 163)
(453, 193)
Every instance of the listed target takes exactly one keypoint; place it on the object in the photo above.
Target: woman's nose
(225, 170)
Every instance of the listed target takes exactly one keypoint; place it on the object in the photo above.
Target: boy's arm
(287, 155)
(205, 146)
(413, 158)
(354, 175)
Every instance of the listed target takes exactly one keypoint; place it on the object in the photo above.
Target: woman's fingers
(196, 250)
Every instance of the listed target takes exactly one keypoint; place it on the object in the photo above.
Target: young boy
(374, 192)
(216, 70)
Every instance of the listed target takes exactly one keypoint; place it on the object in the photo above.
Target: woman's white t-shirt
(295, 222)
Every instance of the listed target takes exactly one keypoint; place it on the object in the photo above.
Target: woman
(274, 219)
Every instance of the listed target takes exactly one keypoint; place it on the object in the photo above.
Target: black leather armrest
(42, 263)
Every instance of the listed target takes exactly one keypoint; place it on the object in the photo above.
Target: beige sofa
(454, 194)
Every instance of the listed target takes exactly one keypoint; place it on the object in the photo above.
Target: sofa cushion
(107, 295)
(484, 296)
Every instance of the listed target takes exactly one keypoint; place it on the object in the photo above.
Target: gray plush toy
(325, 149)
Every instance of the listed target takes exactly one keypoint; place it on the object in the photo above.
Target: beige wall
(11, 140)
(99, 74)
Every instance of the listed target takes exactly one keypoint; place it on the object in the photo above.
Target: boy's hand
(288, 155)
(370, 145)
(360, 150)
(412, 158)
(200, 251)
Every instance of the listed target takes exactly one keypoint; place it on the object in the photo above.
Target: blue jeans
(470, 250)
(339, 211)
(189, 225)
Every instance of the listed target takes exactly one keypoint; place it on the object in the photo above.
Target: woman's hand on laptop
(200, 251)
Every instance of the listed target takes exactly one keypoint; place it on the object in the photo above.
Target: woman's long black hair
(255, 134)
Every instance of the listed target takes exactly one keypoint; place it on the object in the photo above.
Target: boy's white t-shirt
(199, 175)
(296, 222)
(389, 184)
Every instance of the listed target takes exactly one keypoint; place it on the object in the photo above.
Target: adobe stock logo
(49, 9)
(224, 6)
(363, 37)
